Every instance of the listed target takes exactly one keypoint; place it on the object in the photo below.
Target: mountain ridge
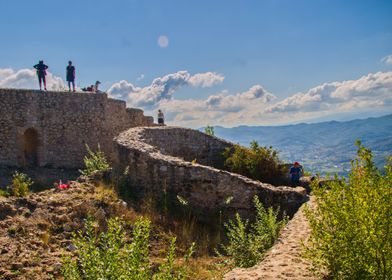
(325, 147)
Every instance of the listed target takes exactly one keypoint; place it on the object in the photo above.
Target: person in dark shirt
(41, 73)
(296, 173)
(71, 76)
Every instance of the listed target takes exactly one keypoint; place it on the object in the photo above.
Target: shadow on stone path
(283, 260)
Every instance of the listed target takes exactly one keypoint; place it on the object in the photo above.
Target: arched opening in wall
(30, 147)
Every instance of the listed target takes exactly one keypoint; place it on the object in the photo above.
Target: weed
(248, 242)
(109, 255)
(94, 161)
(20, 184)
(209, 130)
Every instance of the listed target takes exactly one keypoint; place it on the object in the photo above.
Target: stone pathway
(283, 260)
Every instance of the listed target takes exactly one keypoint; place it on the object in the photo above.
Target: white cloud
(207, 79)
(161, 88)
(387, 59)
(374, 89)
(27, 78)
(222, 108)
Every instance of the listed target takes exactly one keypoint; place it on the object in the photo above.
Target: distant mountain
(320, 147)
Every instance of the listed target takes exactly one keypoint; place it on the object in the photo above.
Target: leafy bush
(94, 161)
(247, 242)
(351, 226)
(256, 162)
(109, 256)
(20, 184)
(209, 130)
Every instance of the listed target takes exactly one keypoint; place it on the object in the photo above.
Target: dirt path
(283, 260)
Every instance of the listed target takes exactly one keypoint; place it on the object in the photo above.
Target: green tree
(352, 223)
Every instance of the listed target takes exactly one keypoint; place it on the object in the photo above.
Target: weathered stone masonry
(159, 158)
(52, 128)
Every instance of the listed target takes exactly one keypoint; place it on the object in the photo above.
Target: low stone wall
(151, 154)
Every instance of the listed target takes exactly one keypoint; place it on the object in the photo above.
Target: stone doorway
(30, 147)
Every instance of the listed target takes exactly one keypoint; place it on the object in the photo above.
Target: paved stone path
(283, 260)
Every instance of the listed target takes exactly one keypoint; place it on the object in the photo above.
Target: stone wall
(158, 166)
(52, 128)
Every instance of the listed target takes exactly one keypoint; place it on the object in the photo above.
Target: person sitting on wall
(93, 88)
(161, 117)
(41, 73)
(296, 172)
(88, 89)
(71, 76)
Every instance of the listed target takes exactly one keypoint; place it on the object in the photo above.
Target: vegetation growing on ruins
(20, 185)
(209, 130)
(94, 161)
(109, 255)
(247, 242)
(351, 226)
(257, 162)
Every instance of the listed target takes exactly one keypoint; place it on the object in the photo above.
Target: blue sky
(285, 47)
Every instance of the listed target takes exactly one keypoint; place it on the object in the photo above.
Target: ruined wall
(62, 123)
(152, 169)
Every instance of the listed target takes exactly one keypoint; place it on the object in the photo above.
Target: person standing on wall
(296, 173)
(161, 118)
(71, 76)
(41, 73)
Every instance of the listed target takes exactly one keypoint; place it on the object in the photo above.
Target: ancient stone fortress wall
(50, 128)
(159, 160)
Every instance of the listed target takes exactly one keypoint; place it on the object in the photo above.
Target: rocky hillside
(35, 231)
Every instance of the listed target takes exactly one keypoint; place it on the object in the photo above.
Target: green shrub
(94, 161)
(256, 162)
(247, 242)
(4, 193)
(109, 255)
(209, 130)
(20, 184)
(352, 224)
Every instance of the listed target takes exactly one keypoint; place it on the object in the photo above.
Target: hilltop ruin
(52, 129)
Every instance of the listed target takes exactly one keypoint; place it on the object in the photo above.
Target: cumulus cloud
(387, 59)
(374, 89)
(27, 78)
(161, 88)
(222, 108)
(207, 79)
